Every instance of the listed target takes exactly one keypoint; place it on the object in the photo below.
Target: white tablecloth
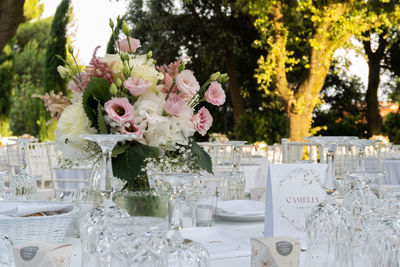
(392, 166)
(255, 173)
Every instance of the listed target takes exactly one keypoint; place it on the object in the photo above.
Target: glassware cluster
(352, 226)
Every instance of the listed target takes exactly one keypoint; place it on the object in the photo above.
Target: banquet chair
(14, 157)
(64, 179)
(274, 153)
(4, 163)
(293, 152)
(38, 164)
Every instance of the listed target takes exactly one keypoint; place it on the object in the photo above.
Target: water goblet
(182, 252)
(23, 185)
(107, 208)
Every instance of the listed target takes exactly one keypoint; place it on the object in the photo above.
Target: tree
(217, 35)
(11, 15)
(346, 114)
(315, 28)
(56, 45)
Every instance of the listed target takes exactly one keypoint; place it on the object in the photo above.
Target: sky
(92, 22)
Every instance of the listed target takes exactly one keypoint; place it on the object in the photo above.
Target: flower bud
(214, 76)
(181, 66)
(70, 49)
(118, 82)
(111, 24)
(113, 89)
(125, 28)
(224, 78)
(63, 71)
(149, 55)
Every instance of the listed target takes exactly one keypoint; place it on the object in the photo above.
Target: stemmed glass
(361, 144)
(23, 185)
(182, 252)
(107, 208)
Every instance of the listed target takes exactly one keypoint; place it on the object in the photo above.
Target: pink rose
(187, 84)
(215, 94)
(136, 86)
(175, 104)
(78, 83)
(129, 127)
(119, 109)
(124, 45)
(202, 121)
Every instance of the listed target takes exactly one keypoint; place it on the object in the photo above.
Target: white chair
(293, 152)
(38, 164)
(65, 179)
(14, 157)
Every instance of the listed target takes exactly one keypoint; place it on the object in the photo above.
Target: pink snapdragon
(202, 121)
(119, 109)
(129, 127)
(125, 44)
(187, 84)
(215, 94)
(136, 86)
(79, 82)
(175, 104)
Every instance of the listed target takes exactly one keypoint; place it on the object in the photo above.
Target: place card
(275, 252)
(293, 190)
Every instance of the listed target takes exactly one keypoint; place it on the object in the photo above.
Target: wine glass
(182, 252)
(23, 185)
(361, 145)
(107, 208)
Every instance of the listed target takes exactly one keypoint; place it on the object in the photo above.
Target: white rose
(141, 60)
(146, 71)
(73, 122)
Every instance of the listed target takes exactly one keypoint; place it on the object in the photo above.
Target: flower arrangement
(126, 93)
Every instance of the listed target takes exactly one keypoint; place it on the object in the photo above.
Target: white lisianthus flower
(115, 63)
(73, 122)
(63, 71)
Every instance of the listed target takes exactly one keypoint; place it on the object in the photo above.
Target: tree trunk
(233, 87)
(11, 15)
(298, 126)
(374, 119)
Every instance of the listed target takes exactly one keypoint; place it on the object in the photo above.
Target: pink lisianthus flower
(175, 104)
(202, 121)
(129, 127)
(136, 86)
(79, 82)
(187, 84)
(215, 94)
(119, 109)
(124, 45)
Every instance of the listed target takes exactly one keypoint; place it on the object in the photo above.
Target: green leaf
(204, 159)
(127, 165)
(96, 92)
(120, 149)
(100, 120)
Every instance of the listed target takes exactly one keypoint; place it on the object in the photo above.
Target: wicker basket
(37, 228)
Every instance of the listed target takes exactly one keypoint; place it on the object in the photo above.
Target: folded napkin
(241, 207)
(20, 209)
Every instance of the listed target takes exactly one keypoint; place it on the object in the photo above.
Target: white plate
(241, 218)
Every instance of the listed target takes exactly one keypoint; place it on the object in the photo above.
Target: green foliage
(33, 9)
(56, 45)
(391, 127)
(96, 93)
(33, 30)
(6, 76)
(204, 160)
(128, 166)
(259, 125)
(343, 94)
(24, 112)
